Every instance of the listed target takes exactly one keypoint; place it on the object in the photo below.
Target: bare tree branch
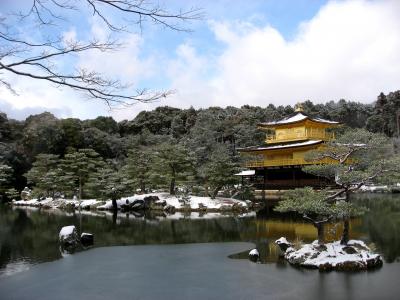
(37, 59)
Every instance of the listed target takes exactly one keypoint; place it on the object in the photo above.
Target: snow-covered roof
(246, 173)
(290, 145)
(297, 118)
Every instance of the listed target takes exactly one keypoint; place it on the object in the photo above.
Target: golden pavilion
(277, 165)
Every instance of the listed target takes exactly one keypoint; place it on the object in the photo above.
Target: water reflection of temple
(277, 165)
(266, 231)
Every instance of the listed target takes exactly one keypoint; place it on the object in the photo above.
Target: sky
(242, 52)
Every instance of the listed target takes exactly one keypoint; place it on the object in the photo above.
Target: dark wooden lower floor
(286, 178)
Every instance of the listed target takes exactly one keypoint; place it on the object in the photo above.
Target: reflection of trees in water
(24, 236)
(34, 234)
(11, 225)
(382, 223)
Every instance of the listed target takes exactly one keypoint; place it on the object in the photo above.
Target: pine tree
(101, 182)
(5, 180)
(46, 174)
(78, 165)
(358, 157)
(172, 163)
(220, 169)
(137, 168)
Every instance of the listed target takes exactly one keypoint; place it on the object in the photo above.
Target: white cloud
(123, 63)
(348, 50)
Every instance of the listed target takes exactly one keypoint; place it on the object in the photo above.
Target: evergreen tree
(5, 180)
(78, 165)
(220, 169)
(138, 166)
(172, 163)
(46, 175)
(101, 183)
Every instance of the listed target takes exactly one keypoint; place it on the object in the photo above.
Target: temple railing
(308, 134)
(284, 162)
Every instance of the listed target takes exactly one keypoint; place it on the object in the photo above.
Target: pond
(29, 238)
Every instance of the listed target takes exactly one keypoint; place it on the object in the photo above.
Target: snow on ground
(126, 200)
(374, 188)
(195, 202)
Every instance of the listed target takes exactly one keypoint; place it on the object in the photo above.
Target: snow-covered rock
(354, 256)
(254, 255)
(68, 235)
(283, 243)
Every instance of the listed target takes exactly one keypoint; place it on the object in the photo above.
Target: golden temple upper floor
(298, 127)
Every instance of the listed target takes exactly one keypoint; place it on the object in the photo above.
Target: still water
(29, 237)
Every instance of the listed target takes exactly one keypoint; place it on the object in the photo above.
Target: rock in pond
(283, 244)
(254, 255)
(87, 239)
(68, 236)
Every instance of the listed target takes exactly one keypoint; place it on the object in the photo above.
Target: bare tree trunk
(206, 190)
(172, 184)
(321, 233)
(346, 226)
(80, 187)
(346, 232)
(115, 205)
(215, 192)
(114, 202)
(142, 186)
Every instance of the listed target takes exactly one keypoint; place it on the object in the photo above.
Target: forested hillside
(157, 149)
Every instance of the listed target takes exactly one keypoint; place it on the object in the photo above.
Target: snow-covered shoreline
(194, 204)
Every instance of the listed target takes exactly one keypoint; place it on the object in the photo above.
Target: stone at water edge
(254, 255)
(169, 209)
(87, 239)
(126, 206)
(68, 236)
(283, 244)
(202, 207)
(150, 200)
(157, 204)
(137, 205)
